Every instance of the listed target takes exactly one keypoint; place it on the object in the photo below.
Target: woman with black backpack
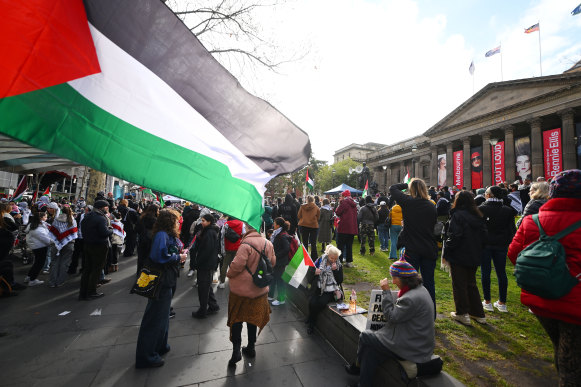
(205, 256)
(281, 243)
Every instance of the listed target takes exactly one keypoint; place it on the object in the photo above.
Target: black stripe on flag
(152, 34)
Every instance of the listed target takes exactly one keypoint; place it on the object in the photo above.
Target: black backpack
(263, 275)
(231, 235)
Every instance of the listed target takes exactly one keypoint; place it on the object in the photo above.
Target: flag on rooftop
(471, 68)
(577, 10)
(296, 271)
(532, 28)
(310, 182)
(495, 50)
(131, 92)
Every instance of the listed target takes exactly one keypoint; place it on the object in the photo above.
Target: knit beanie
(566, 184)
(402, 268)
(346, 193)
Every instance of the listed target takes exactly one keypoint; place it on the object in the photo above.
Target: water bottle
(353, 301)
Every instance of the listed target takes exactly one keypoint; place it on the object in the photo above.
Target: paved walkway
(94, 344)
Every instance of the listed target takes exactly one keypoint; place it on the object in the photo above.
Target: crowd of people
(413, 222)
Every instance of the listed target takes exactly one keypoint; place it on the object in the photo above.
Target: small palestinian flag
(298, 268)
(407, 178)
(365, 189)
(124, 87)
(19, 193)
(310, 182)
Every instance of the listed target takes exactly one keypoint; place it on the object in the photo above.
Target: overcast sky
(386, 70)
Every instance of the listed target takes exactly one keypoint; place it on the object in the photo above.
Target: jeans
(383, 233)
(205, 292)
(39, 259)
(370, 354)
(153, 332)
(426, 266)
(345, 244)
(394, 231)
(309, 237)
(498, 257)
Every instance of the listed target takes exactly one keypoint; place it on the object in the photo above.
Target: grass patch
(513, 349)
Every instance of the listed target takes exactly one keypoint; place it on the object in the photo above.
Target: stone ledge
(343, 334)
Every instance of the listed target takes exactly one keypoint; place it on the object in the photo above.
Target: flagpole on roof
(540, 61)
(501, 75)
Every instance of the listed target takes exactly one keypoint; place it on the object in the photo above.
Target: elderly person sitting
(328, 277)
(409, 331)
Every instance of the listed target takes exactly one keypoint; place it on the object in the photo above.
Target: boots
(249, 350)
(236, 356)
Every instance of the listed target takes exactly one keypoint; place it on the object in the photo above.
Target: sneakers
(461, 318)
(349, 264)
(270, 298)
(35, 282)
(45, 271)
(221, 285)
(479, 320)
(487, 306)
(500, 307)
(277, 302)
(190, 273)
(26, 279)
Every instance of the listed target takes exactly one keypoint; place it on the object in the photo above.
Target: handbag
(148, 283)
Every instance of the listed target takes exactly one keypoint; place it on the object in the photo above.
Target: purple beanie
(566, 184)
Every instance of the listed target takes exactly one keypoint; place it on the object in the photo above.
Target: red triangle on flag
(44, 43)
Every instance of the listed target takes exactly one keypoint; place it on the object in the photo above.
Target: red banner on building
(458, 169)
(497, 153)
(553, 152)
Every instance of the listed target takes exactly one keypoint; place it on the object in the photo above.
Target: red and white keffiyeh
(118, 229)
(61, 233)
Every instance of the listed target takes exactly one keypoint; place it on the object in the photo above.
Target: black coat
(289, 211)
(95, 228)
(206, 248)
(465, 239)
(281, 249)
(531, 208)
(419, 219)
(500, 224)
(129, 218)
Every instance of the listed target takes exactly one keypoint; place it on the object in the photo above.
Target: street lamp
(493, 141)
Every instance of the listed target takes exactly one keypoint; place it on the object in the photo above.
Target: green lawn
(512, 350)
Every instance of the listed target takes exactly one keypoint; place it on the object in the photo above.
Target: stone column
(417, 167)
(449, 165)
(567, 140)
(486, 160)
(402, 171)
(536, 148)
(387, 179)
(467, 164)
(434, 167)
(509, 159)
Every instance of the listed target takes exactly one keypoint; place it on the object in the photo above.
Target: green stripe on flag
(293, 264)
(89, 135)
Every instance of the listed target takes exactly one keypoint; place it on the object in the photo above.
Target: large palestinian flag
(124, 87)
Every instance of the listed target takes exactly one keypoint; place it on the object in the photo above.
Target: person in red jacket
(230, 248)
(347, 227)
(561, 318)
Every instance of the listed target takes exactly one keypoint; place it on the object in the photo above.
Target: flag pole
(540, 61)
(501, 75)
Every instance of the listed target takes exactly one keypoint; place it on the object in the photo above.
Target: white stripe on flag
(134, 94)
(299, 275)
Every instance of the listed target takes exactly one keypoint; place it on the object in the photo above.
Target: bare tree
(230, 29)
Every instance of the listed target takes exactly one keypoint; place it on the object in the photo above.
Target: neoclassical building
(507, 131)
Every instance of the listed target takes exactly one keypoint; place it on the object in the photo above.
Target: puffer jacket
(556, 215)
(309, 215)
(347, 212)
(465, 239)
(241, 282)
(39, 237)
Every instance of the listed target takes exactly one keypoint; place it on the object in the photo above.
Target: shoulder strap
(538, 222)
(559, 235)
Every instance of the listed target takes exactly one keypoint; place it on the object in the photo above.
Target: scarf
(403, 291)
(494, 200)
(327, 281)
(118, 228)
(275, 233)
(61, 234)
(327, 207)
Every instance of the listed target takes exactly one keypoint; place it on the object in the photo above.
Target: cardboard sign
(375, 317)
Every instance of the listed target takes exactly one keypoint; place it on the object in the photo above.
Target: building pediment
(502, 96)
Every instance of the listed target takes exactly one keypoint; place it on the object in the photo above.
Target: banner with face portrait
(458, 169)
(497, 152)
(441, 170)
(522, 152)
(476, 167)
(553, 152)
